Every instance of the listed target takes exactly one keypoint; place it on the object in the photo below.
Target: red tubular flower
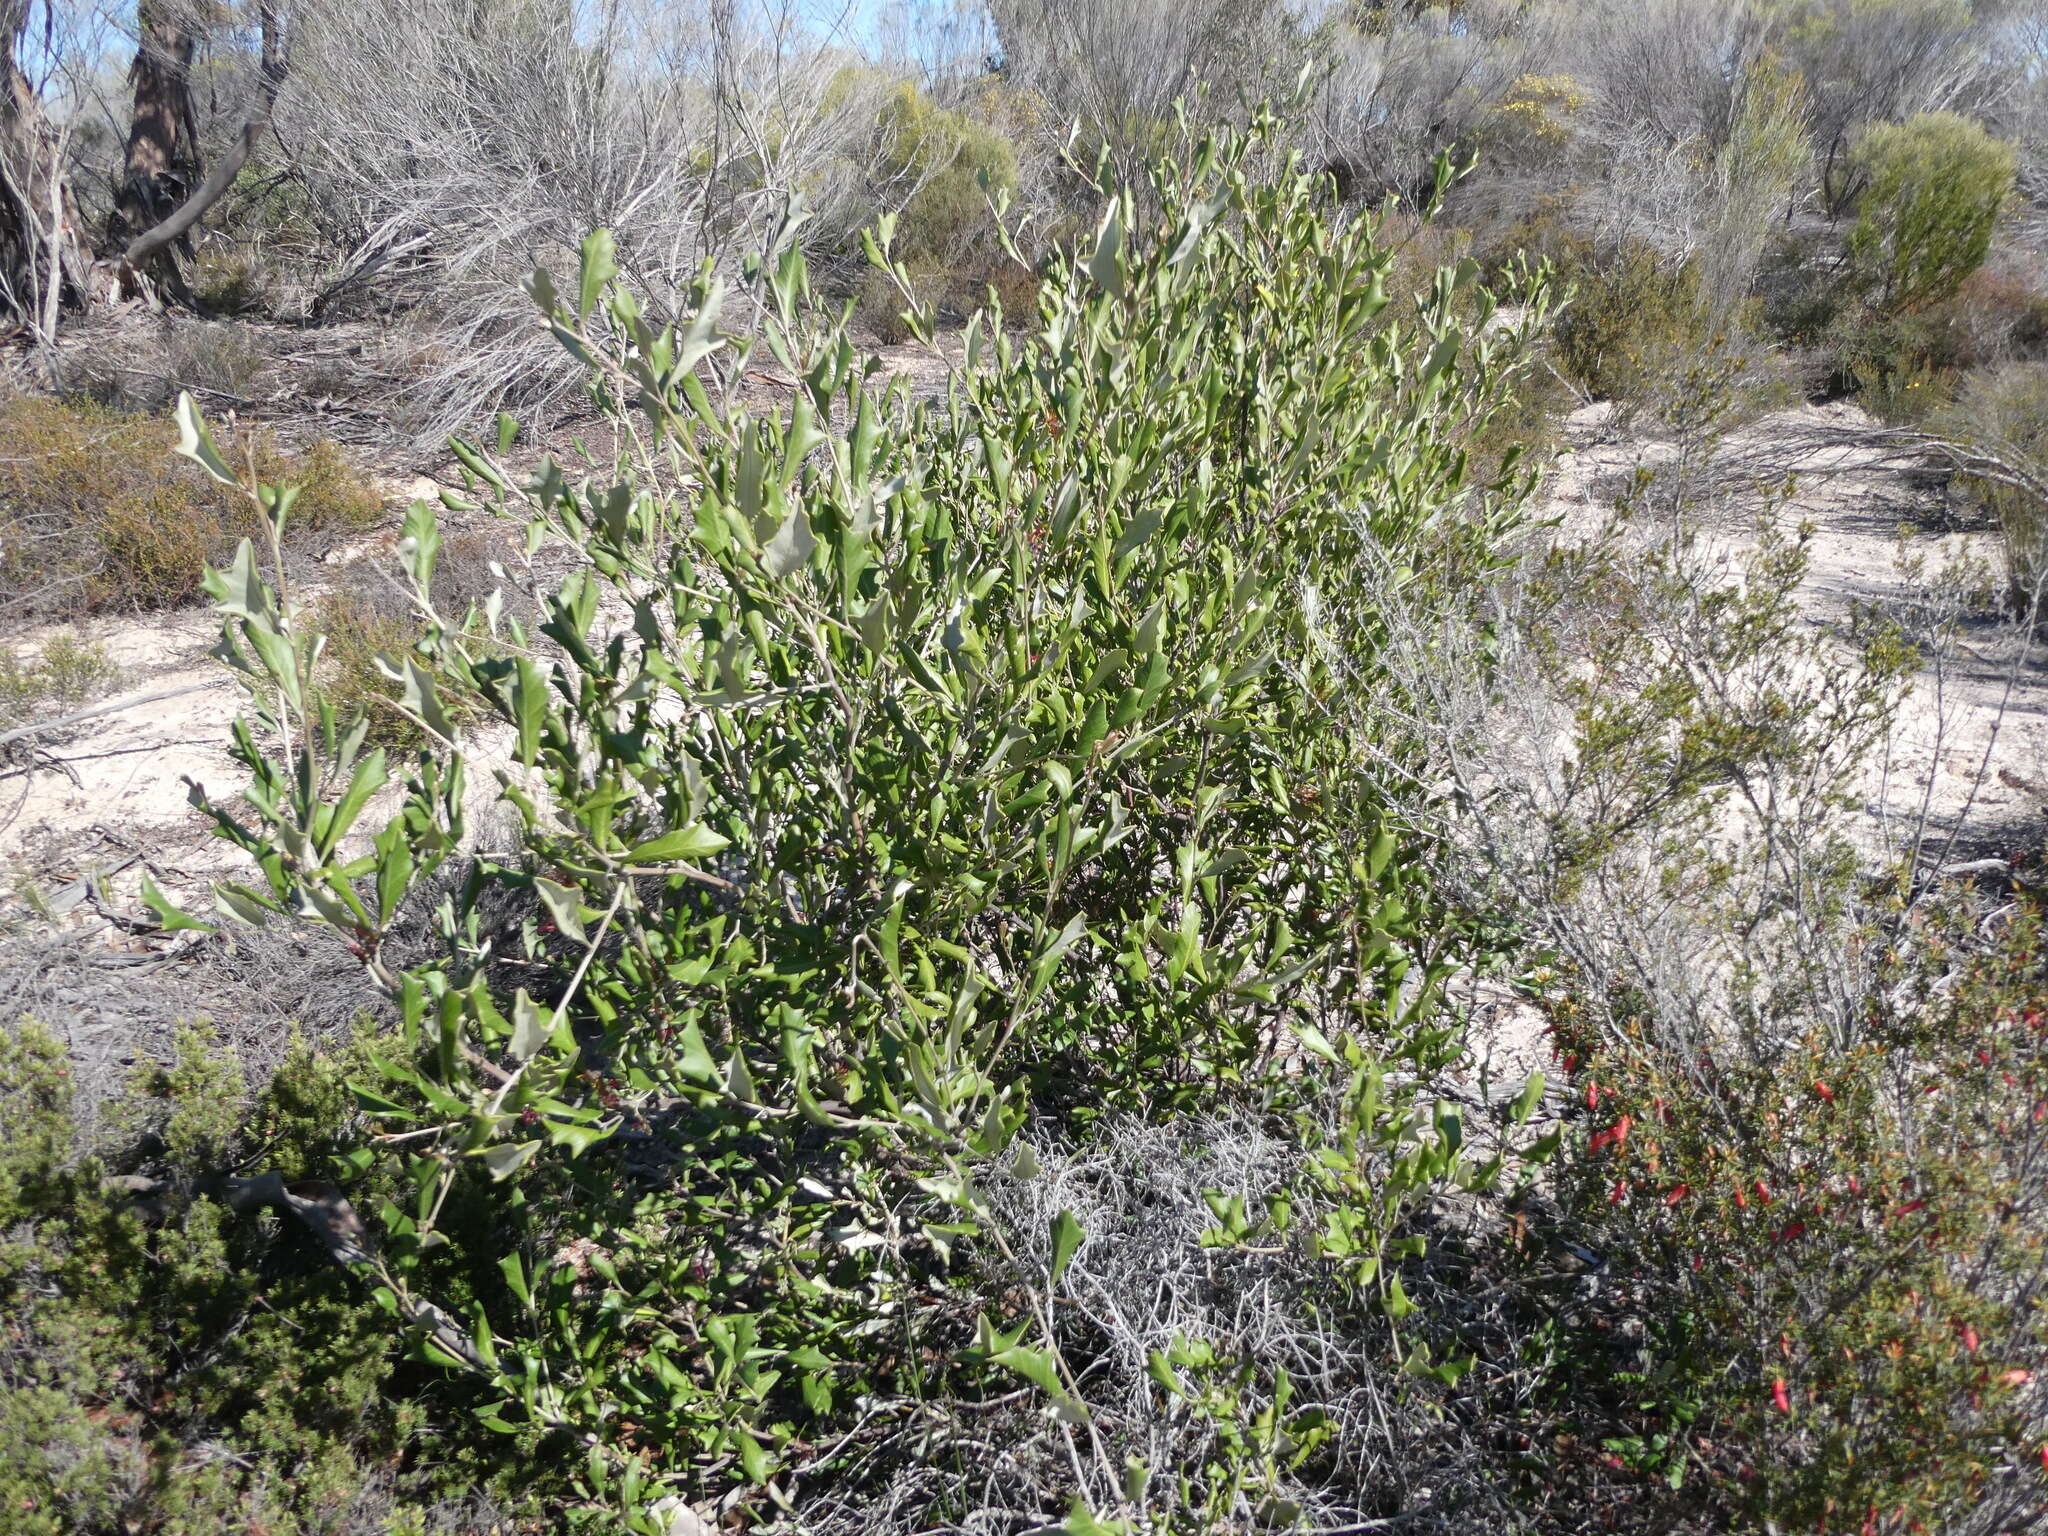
(1616, 1135)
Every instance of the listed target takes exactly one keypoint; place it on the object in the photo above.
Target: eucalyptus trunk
(161, 166)
(43, 265)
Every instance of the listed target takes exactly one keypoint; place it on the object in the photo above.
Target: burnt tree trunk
(43, 265)
(176, 223)
(162, 164)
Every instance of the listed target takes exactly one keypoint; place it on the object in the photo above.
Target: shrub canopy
(1936, 186)
(918, 771)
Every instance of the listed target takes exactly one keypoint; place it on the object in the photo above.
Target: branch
(40, 726)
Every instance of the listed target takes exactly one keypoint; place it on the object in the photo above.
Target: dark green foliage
(1838, 1254)
(933, 768)
(170, 1365)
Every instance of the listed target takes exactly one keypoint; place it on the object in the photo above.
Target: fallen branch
(20, 732)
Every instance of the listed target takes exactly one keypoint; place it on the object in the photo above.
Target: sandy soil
(1970, 744)
(113, 786)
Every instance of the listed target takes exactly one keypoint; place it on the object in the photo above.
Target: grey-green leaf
(195, 441)
(791, 546)
(1066, 1238)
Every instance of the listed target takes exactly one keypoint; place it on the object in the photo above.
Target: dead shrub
(1015, 288)
(218, 357)
(143, 371)
(2004, 412)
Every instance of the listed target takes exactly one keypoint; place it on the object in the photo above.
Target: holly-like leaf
(1066, 1238)
(565, 906)
(531, 1027)
(508, 1157)
(195, 441)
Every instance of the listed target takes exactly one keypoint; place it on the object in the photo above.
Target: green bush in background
(946, 156)
(1933, 190)
(1642, 332)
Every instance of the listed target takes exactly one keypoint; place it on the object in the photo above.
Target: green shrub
(927, 771)
(1908, 367)
(1893, 364)
(1933, 190)
(1836, 1255)
(65, 673)
(171, 1365)
(1639, 332)
(943, 157)
(95, 516)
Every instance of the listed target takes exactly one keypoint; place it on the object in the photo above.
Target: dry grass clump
(142, 369)
(97, 513)
(68, 671)
(370, 618)
(2004, 413)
